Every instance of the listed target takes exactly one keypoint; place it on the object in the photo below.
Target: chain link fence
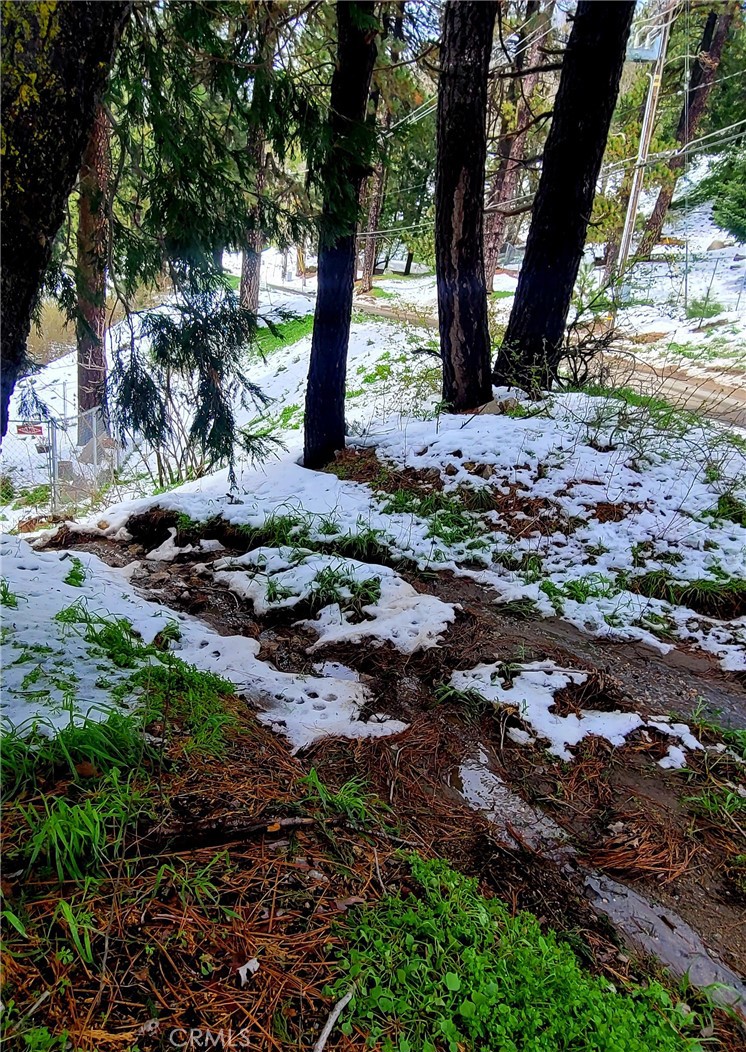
(49, 466)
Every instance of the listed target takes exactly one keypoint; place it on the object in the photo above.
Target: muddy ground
(622, 815)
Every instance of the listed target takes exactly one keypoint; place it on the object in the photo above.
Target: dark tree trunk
(61, 56)
(701, 81)
(459, 202)
(511, 147)
(408, 264)
(90, 279)
(574, 149)
(344, 171)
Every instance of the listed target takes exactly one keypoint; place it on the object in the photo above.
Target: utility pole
(646, 134)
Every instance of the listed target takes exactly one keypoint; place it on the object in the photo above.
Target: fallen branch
(219, 832)
(334, 1015)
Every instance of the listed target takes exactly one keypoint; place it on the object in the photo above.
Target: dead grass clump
(596, 692)
(645, 844)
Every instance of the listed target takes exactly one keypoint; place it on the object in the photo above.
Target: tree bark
(56, 60)
(701, 81)
(251, 261)
(459, 202)
(374, 216)
(574, 149)
(251, 258)
(344, 171)
(90, 278)
(511, 149)
(408, 264)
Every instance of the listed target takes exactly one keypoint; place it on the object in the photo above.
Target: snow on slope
(532, 692)
(54, 674)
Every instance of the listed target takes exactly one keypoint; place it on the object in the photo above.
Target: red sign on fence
(30, 429)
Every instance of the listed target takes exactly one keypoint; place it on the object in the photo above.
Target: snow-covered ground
(54, 672)
(621, 519)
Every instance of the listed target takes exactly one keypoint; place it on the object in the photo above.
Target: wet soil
(622, 813)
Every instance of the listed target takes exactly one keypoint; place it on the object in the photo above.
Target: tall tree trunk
(344, 170)
(511, 147)
(56, 61)
(251, 258)
(701, 80)
(589, 84)
(90, 279)
(251, 261)
(374, 216)
(459, 202)
(408, 264)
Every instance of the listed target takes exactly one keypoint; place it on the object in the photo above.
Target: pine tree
(348, 145)
(589, 83)
(56, 59)
(459, 202)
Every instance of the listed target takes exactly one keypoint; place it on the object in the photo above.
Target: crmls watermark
(206, 1039)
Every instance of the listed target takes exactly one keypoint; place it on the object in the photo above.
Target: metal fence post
(53, 459)
(94, 428)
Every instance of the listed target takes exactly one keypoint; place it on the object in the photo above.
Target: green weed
(732, 508)
(75, 839)
(35, 497)
(76, 575)
(276, 592)
(724, 597)
(7, 489)
(446, 968)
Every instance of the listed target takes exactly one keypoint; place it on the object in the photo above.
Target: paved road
(712, 397)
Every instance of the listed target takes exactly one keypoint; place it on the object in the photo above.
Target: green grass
(501, 294)
(34, 755)
(580, 589)
(283, 334)
(382, 294)
(724, 597)
(443, 967)
(7, 489)
(447, 519)
(76, 833)
(333, 584)
(732, 508)
(351, 801)
(35, 497)
(74, 839)
(76, 574)
(703, 307)
(7, 598)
